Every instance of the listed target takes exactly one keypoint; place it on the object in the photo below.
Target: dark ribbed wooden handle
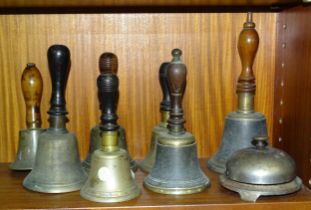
(166, 100)
(108, 84)
(32, 86)
(247, 47)
(177, 73)
(59, 65)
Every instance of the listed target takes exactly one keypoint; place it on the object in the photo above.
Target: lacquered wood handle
(177, 73)
(32, 86)
(108, 90)
(166, 100)
(59, 66)
(247, 47)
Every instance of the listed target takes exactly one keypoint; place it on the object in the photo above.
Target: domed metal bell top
(261, 164)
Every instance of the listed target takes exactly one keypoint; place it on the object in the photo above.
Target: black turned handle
(177, 73)
(166, 100)
(59, 65)
(108, 91)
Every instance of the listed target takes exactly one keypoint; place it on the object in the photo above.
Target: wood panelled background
(141, 42)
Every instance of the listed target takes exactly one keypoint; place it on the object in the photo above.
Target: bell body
(176, 169)
(148, 162)
(57, 168)
(240, 128)
(27, 149)
(110, 178)
(96, 144)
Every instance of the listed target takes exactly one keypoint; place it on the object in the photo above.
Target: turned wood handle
(247, 47)
(108, 84)
(32, 86)
(177, 73)
(59, 66)
(166, 100)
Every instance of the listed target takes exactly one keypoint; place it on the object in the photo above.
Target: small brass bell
(95, 142)
(57, 167)
(32, 86)
(176, 169)
(110, 177)
(149, 160)
(241, 126)
(260, 170)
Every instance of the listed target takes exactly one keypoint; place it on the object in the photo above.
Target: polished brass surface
(176, 169)
(57, 167)
(241, 126)
(110, 177)
(32, 86)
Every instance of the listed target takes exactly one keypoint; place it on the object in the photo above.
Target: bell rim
(261, 189)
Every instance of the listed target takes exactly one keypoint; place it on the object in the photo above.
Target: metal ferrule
(58, 123)
(165, 115)
(245, 102)
(109, 141)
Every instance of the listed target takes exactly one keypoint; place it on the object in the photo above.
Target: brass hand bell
(165, 105)
(176, 169)
(32, 86)
(241, 126)
(95, 142)
(57, 167)
(110, 177)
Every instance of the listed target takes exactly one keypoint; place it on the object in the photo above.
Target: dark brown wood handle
(247, 47)
(177, 73)
(32, 86)
(108, 63)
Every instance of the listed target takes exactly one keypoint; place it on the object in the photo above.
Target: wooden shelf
(14, 196)
(128, 3)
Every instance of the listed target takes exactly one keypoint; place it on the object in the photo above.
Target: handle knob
(166, 100)
(108, 84)
(32, 86)
(177, 73)
(59, 65)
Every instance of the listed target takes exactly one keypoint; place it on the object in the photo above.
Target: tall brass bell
(241, 126)
(165, 105)
(57, 167)
(110, 177)
(176, 169)
(32, 86)
(95, 138)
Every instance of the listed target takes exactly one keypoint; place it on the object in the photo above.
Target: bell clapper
(176, 169)
(57, 167)
(149, 160)
(241, 126)
(110, 176)
(32, 86)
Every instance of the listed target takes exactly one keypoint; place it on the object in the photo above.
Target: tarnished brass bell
(32, 86)
(260, 170)
(165, 105)
(95, 138)
(110, 177)
(176, 169)
(241, 126)
(57, 167)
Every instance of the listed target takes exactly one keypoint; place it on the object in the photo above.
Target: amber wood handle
(32, 86)
(59, 66)
(247, 47)
(177, 73)
(108, 84)
(166, 100)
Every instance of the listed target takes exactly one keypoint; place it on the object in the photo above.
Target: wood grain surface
(14, 196)
(292, 106)
(141, 42)
(81, 3)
